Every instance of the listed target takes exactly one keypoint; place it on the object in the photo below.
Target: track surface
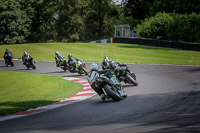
(166, 100)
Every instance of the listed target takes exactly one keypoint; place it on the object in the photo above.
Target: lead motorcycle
(77, 66)
(9, 61)
(109, 83)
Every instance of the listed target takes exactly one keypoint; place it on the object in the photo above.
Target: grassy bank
(21, 91)
(94, 52)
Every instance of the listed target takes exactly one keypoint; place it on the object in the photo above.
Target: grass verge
(21, 91)
(94, 52)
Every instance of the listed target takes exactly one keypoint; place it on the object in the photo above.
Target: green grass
(94, 52)
(21, 91)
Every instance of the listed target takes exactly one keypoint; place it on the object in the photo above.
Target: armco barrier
(109, 40)
(159, 43)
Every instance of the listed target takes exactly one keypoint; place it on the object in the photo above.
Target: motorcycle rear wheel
(12, 64)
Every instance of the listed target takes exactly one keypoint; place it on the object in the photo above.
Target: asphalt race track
(166, 100)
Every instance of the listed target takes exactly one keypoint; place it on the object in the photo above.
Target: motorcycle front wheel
(33, 66)
(112, 93)
(83, 69)
(131, 79)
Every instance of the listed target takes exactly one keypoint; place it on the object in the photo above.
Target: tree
(176, 6)
(15, 21)
(100, 20)
(171, 26)
(137, 9)
(69, 18)
(154, 26)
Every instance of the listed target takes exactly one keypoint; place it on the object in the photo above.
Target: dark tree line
(83, 20)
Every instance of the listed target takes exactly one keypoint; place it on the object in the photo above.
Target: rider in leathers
(58, 58)
(99, 91)
(26, 57)
(105, 64)
(70, 60)
(8, 54)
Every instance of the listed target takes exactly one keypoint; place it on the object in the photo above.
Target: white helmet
(94, 66)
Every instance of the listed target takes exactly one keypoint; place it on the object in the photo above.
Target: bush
(184, 27)
(154, 26)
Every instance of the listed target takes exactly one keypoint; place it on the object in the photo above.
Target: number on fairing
(92, 76)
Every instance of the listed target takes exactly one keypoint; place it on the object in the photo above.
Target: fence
(159, 43)
(109, 40)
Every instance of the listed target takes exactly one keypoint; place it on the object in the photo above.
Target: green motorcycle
(62, 64)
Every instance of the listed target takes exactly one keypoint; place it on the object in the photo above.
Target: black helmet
(69, 56)
(105, 59)
(7, 49)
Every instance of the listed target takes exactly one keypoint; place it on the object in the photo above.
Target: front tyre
(83, 69)
(65, 67)
(34, 67)
(112, 93)
(131, 79)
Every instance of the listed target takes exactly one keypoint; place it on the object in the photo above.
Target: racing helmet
(56, 53)
(105, 61)
(69, 56)
(93, 66)
(111, 64)
(25, 53)
(105, 58)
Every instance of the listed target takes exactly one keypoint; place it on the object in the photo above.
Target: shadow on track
(13, 107)
(174, 112)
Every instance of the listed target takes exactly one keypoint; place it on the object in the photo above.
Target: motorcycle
(30, 63)
(63, 64)
(9, 61)
(125, 74)
(77, 66)
(109, 83)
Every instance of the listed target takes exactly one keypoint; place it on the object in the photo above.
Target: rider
(58, 58)
(105, 64)
(26, 57)
(116, 67)
(8, 54)
(70, 61)
(98, 90)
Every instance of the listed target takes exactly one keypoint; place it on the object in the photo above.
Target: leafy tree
(100, 20)
(184, 27)
(178, 27)
(69, 18)
(137, 9)
(154, 26)
(177, 6)
(15, 21)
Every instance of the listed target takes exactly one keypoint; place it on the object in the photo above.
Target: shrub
(184, 27)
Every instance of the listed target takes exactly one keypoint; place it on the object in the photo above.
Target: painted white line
(10, 117)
